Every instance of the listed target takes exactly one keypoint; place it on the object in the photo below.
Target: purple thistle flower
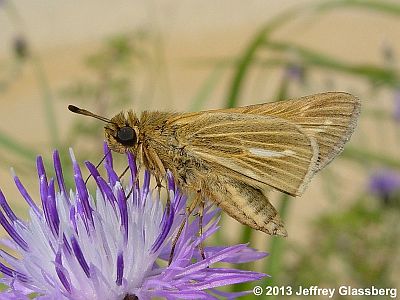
(385, 184)
(108, 247)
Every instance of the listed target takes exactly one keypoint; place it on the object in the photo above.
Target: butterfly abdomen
(245, 203)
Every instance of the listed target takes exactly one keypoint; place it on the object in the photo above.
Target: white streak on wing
(289, 152)
(268, 153)
(323, 127)
(317, 129)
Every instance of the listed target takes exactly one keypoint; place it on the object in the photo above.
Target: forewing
(260, 149)
(330, 118)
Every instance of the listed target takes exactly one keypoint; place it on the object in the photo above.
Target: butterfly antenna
(85, 112)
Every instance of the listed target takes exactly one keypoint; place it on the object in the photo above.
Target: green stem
(362, 156)
(51, 121)
(41, 77)
(247, 58)
(16, 148)
(276, 250)
(207, 88)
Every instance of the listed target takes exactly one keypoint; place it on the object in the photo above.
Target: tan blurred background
(189, 34)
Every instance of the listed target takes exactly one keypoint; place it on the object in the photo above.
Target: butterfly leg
(123, 173)
(189, 211)
(98, 165)
(168, 204)
(201, 213)
(158, 187)
(134, 182)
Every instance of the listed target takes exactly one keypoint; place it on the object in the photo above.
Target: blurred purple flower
(110, 247)
(396, 111)
(385, 183)
(295, 72)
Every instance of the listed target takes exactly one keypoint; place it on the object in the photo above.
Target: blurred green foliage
(362, 237)
(357, 247)
(112, 85)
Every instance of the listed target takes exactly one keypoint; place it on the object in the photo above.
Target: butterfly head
(121, 131)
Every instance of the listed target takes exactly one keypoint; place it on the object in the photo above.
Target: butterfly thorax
(162, 148)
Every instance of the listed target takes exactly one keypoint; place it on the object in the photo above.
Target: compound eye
(126, 136)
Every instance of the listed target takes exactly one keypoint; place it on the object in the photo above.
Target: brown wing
(330, 118)
(261, 150)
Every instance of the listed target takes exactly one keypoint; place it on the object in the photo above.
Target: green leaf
(313, 58)
(386, 7)
(247, 58)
